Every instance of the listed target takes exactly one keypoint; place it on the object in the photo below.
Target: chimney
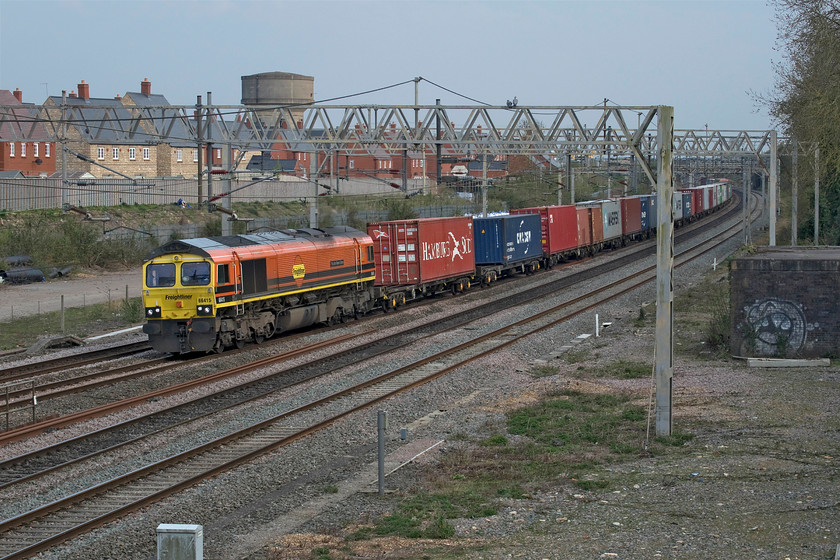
(84, 90)
(18, 95)
(118, 97)
(300, 124)
(72, 94)
(146, 87)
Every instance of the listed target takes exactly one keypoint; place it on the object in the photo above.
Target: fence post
(62, 313)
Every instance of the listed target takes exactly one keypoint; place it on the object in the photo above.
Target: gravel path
(79, 289)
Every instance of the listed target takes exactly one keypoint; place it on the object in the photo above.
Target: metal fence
(49, 194)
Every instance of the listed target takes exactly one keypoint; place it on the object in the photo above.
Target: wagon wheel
(356, 312)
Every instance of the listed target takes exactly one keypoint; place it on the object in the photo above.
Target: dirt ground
(758, 479)
(79, 288)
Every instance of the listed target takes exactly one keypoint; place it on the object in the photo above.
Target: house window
(132, 154)
(100, 153)
(11, 149)
(179, 156)
(47, 149)
(219, 153)
(195, 156)
(146, 154)
(35, 149)
(115, 153)
(23, 149)
(352, 164)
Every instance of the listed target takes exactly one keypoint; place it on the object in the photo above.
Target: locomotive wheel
(258, 338)
(218, 347)
(239, 343)
(270, 330)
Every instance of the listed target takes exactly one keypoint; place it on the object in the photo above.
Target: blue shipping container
(648, 211)
(687, 210)
(507, 239)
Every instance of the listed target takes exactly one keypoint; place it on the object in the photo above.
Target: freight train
(208, 294)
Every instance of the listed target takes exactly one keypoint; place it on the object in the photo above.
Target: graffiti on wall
(775, 327)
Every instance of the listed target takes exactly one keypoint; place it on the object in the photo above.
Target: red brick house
(25, 147)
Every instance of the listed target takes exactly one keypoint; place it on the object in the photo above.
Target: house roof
(25, 126)
(99, 119)
(264, 162)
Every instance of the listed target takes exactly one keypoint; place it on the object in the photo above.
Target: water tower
(279, 89)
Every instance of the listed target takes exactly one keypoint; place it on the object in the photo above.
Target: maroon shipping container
(631, 215)
(594, 216)
(584, 226)
(559, 227)
(696, 200)
(420, 251)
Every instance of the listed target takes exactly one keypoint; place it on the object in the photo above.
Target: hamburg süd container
(420, 251)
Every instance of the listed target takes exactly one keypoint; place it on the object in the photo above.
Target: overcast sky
(702, 57)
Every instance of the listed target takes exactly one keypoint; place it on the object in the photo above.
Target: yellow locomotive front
(179, 303)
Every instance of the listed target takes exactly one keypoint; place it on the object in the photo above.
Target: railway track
(43, 367)
(24, 535)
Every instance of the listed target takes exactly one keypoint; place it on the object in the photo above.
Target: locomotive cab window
(160, 275)
(195, 274)
(370, 253)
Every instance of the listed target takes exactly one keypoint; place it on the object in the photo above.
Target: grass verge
(78, 321)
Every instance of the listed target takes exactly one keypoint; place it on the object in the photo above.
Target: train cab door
(237, 284)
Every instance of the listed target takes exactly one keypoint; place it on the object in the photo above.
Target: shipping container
(696, 200)
(424, 251)
(507, 240)
(611, 214)
(708, 197)
(559, 227)
(631, 215)
(584, 224)
(677, 203)
(688, 210)
(647, 211)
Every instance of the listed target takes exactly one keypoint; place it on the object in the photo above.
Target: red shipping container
(418, 251)
(631, 215)
(559, 227)
(594, 216)
(696, 201)
(584, 226)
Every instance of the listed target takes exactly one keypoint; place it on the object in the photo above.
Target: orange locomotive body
(211, 293)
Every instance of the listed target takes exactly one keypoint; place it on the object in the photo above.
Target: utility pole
(794, 222)
(817, 196)
(209, 126)
(63, 149)
(484, 185)
(200, 148)
(773, 178)
(664, 347)
(437, 141)
(227, 203)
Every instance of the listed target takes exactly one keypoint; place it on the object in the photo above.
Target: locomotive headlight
(153, 312)
(204, 310)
